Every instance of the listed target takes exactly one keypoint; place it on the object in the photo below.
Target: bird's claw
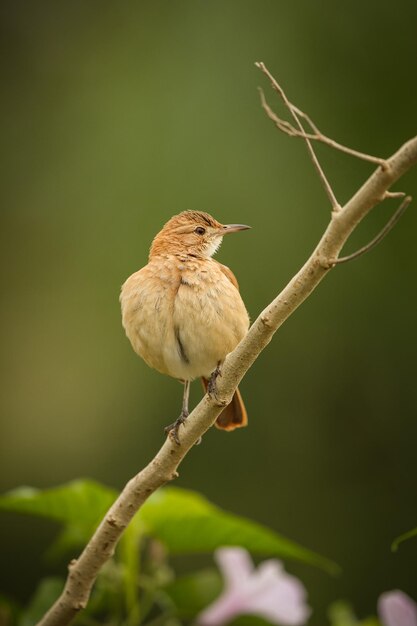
(172, 429)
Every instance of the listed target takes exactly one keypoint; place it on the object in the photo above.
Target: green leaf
(79, 505)
(404, 537)
(341, 613)
(80, 501)
(185, 522)
(191, 594)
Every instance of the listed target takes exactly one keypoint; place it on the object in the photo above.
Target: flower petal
(267, 591)
(396, 608)
(279, 597)
(235, 565)
(227, 606)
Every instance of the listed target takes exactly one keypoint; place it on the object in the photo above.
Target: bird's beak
(233, 228)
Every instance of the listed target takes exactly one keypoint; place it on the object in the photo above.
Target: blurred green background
(115, 116)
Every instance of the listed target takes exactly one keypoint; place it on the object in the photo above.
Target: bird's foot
(172, 429)
(212, 383)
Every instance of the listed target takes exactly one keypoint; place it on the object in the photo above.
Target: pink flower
(267, 591)
(396, 608)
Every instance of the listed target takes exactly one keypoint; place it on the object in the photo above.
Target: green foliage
(342, 614)
(177, 520)
(186, 522)
(191, 594)
(77, 501)
(404, 537)
(78, 505)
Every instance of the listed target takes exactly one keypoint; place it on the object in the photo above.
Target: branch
(316, 135)
(163, 468)
(295, 112)
(380, 236)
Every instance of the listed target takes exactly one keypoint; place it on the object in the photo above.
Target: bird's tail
(233, 415)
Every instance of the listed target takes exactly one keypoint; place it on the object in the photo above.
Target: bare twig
(404, 537)
(388, 226)
(295, 112)
(394, 194)
(316, 135)
(84, 570)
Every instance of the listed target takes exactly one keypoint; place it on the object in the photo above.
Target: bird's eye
(200, 230)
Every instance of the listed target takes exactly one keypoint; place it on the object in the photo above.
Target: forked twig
(388, 226)
(290, 130)
(316, 135)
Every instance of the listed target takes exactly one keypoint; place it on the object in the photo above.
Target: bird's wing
(228, 273)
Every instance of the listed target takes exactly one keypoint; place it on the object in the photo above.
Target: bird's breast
(183, 316)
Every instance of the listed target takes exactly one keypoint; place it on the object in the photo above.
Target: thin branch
(394, 194)
(84, 570)
(404, 537)
(388, 226)
(316, 135)
(295, 112)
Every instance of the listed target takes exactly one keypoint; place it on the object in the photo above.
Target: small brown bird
(183, 313)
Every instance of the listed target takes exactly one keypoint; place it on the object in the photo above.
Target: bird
(183, 312)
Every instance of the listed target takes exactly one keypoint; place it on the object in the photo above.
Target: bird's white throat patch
(213, 245)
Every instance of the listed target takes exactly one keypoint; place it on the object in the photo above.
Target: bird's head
(192, 232)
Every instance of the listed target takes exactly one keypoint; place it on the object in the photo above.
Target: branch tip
(315, 135)
(393, 194)
(383, 233)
